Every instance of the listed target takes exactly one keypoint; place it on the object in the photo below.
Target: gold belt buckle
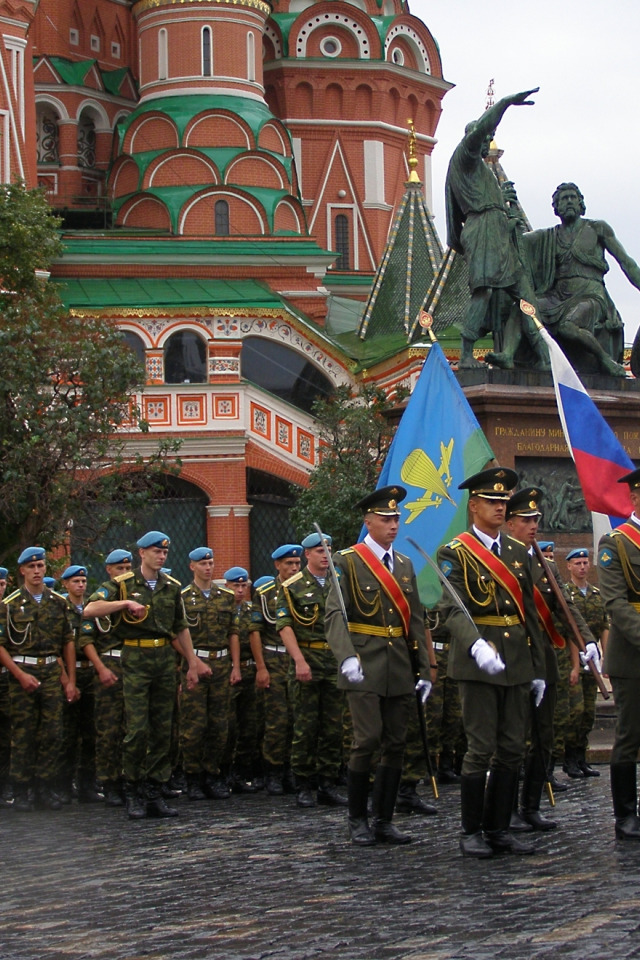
(390, 631)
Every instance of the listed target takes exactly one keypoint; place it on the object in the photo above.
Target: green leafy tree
(66, 385)
(355, 432)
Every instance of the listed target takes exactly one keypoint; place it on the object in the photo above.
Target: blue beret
(260, 582)
(29, 554)
(546, 544)
(73, 571)
(4, 573)
(287, 550)
(118, 556)
(313, 540)
(49, 581)
(201, 553)
(578, 552)
(154, 539)
(236, 575)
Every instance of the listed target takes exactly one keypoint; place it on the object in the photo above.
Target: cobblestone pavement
(254, 877)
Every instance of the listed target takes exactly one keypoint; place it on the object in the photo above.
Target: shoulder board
(292, 579)
(124, 576)
(186, 589)
(454, 544)
(515, 540)
(172, 579)
(595, 589)
(12, 596)
(60, 596)
(344, 553)
(266, 587)
(227, 591)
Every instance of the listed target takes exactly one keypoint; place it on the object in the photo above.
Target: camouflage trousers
(562, 711)
(414, 763)
(79, 743)
(149, 685)
(5, 726)
(278, 712)
(242, 742)
(109, 723)
(445, 732)
(36, 726)
(204, 719)
(318, 706)
(582, 704)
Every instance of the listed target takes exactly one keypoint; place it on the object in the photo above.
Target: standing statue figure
(479, 227)
(568, 267)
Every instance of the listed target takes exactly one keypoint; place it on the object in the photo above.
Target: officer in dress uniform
(152, 620)
(497, 657)
(371, 624)
(619, 576)
(35, 633)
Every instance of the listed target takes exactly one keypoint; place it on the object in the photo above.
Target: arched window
(163, 54)
(342, 242)
(86, 142)
(207, 59)
(251, 56)
(222, 218)
(135, 344)
(185, 358)
(47, 136)
(283, 372)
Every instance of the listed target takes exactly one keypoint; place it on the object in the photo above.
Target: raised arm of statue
(626, 263)
(485, 126)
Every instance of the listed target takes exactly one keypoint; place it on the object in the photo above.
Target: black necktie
(387, 560)
(495, 549)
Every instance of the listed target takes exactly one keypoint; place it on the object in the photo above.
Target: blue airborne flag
(437, 444)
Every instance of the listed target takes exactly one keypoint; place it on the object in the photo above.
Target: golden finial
(412, 159)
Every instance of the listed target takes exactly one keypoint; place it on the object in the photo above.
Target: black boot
(385, 792)
(446, 773)
(194, 787)
(358, 790)
(498, 804)
(409, 802)
(472, 843)
(273, 780)
(22, 798)
(556, 785)
(135, 800)
(516, 823)
(587, 769)
(625, 801)
(304, 794)
(328, 794)
(87, 792)
(48, 799)
(531, 795)
(112, 793)
(157, 805)
(216, 787)
(570, 765)
(241, 781)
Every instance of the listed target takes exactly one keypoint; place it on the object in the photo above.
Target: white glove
(538, 688)
(352, 670)
(591, 653)
(486, 657)
(423, 688)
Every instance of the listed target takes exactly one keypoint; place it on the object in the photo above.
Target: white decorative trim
(272, 33)
(325, 19)
(416, 42)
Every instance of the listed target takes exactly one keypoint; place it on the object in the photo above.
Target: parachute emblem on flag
(419, 470)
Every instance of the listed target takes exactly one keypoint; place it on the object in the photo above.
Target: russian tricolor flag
(599, 456)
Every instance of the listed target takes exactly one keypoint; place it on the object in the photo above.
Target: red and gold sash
(547, 620)
(387, 581)
(631, 532)
(498, 568)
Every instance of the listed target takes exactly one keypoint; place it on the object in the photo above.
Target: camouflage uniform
(242, 746)
(32, 631)
(318, 706)
(109, 701)
(149, 671)
(79, 751)
(445, 732)
(278, 712)
(582, 697)
(205, 709)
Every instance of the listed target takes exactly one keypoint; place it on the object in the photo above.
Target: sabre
(451, 590)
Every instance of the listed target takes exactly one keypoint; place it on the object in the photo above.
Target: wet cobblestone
(254, 878)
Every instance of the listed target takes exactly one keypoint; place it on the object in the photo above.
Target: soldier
(205, 708)
(35, 630)
(102, 646)
(523, 516)
(278, 711)
(618, 564)
(589, 602)
(318, 704)
(491, 574)
(242, 745)
(373, 617)
(152, 618)
(79, 748)
(444, 713)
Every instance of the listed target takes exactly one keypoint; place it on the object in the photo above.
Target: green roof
(112, 79)
(72, 72)
(155, 246)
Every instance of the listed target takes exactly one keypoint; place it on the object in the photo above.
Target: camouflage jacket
(211, 619)
(300, 605)
(263, 617)
(165, 615)
(591, 606)
(35, 629)
(243, 627)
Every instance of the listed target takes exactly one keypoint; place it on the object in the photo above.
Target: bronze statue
(478, 227)
(568, 266)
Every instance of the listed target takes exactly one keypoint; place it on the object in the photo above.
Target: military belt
(35, 661)
(113, 653)
(83, 663)
(313, 644)
(212, 654)
(490, 621)
(440, 646)
(274, 648)
(371, 630)
(636, 607)
(247, 663)
(156, 642)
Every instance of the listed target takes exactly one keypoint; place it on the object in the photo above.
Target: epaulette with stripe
(455, 544)
(292, 579)
(124, 576)
(265, 587)
(346, 552)
(172, 579)
(12, 596)
(61, 596)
